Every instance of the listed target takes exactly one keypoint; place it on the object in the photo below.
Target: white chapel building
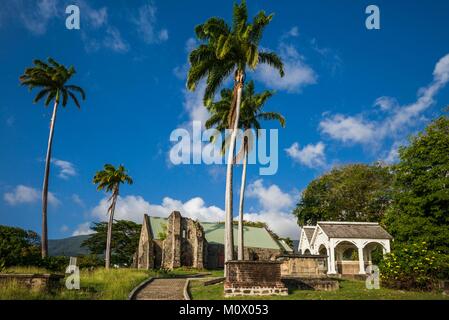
(347, 245)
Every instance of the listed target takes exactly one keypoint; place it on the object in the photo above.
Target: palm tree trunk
(44, 236)
(240, 254)
(229, 228)
(109, 235)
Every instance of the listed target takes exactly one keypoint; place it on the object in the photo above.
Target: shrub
(90, 261)
(18, 246)
(54, 263)
(413, 266)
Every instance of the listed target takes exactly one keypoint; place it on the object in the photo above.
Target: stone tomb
(254, 278)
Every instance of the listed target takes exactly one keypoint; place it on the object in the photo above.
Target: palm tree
(224, 50)
(109, 180)
(51, 78)
(251, 113)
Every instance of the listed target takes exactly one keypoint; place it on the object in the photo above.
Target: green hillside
(68, 246)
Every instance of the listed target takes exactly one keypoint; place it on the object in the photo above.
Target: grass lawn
(349, 290)
(99, 284)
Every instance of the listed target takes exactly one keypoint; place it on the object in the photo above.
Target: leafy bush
(18, 246)
(54, 263)
(90, 261)
(413, 266)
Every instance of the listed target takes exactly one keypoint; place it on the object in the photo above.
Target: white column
(386, 249)
(361, 260)
(331, 249)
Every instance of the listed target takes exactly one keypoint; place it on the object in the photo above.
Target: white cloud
(360, 129)
(23, 194)
(146, 25)
(275, 210)
(77, 199)
(181, 71)
(36, 15)
(134, 207)
(348, 129)
(83, 229)
(98, 32)
(386, 103)
(293, 32)
(297, 73)
(311, 156)
(270, 198)
(193, 103)
(114, 40)
(64, 228)
(66, 168)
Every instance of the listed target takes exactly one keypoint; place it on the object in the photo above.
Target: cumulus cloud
(66, 168)
(27, 195)
(83, 229)
(361, 129)
(348, 128)
(312, 155)
(134, 207)
(275, 209)
(270, 198)
(297, 73)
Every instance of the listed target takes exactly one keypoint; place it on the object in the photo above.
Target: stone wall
(33, 282)
(184, 244)
(145, 251)
(303, 265)
(253, 278)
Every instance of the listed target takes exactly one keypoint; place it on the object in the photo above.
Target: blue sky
(349, 95)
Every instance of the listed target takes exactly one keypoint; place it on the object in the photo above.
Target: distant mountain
(70, 247)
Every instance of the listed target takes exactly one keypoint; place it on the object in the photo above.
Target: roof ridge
(349, 222)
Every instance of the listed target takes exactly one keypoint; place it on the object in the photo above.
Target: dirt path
(162, 289)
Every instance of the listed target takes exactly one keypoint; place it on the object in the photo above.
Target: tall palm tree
(224, 50)
(109, 180)
(51, 79)
(251, 114)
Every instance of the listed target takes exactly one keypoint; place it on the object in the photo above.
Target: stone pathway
(162, 289)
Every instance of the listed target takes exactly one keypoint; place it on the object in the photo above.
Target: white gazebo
(343, 242)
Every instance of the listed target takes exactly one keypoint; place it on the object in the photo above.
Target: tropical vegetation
(224, 50)
(354, 192)
(109, 179)
(124, 241)
(251, 114)
(51, 79)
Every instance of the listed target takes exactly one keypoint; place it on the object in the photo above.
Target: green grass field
(349, 290)
(115, 284)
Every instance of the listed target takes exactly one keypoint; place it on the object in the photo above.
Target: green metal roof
(254, 237)
(157, 224)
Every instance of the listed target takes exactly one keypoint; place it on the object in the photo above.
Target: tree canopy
(420, 209)
(125, 238)
(355, 192)
(18, 246)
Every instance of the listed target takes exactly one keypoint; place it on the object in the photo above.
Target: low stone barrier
(309, 283)
(303, 265)
(253, 278)
(34, 282)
